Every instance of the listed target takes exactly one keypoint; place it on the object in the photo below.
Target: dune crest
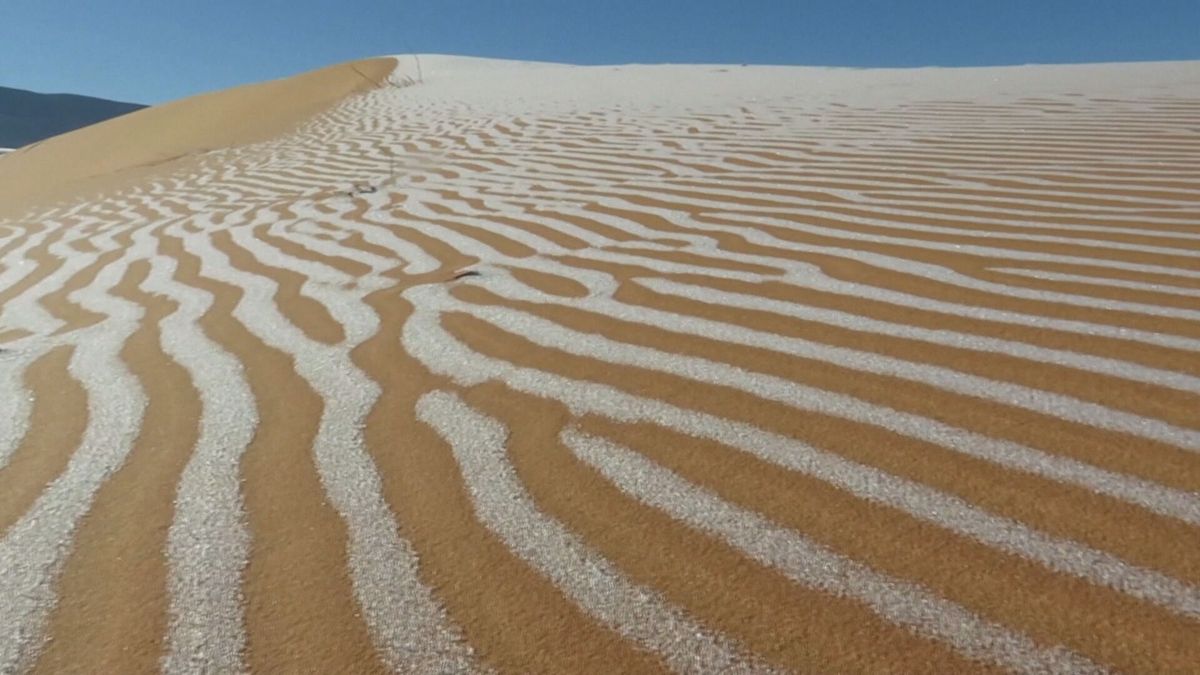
(113, 153)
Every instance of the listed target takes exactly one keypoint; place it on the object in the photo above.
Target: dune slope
(102, 156)
(513, 367)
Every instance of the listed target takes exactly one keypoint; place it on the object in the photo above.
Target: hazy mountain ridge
(28, 117)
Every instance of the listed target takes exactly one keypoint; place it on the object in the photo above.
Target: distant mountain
(27, 117)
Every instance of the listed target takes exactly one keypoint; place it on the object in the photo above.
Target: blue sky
(156, 50)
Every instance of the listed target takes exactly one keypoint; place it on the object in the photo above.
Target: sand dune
(495, 366)
(102, 156)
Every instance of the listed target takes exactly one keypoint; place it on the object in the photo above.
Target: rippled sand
(502, 366)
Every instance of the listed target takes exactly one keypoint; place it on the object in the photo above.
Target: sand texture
(529, 368)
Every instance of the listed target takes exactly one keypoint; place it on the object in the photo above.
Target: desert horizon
(425, 363)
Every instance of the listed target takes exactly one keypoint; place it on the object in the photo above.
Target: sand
(112, 153)
(524, 367)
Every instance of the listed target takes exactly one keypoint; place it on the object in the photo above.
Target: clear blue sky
(155, 50)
